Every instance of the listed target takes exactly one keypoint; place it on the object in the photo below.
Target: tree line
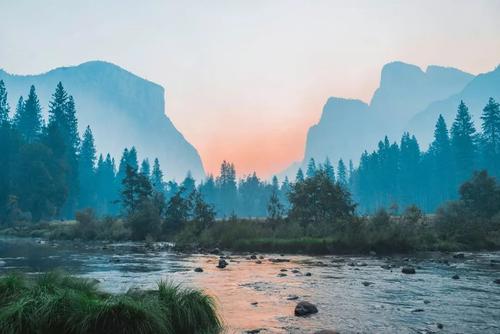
(397, 175)
(47, 171)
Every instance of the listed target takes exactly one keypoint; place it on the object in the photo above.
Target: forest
(49, 173)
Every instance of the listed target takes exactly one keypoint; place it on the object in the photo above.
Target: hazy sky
(245, 79)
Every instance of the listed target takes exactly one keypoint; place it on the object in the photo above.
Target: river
(354, 294)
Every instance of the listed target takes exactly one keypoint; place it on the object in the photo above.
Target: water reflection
(353, 294)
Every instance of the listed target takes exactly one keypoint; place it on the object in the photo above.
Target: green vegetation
(57, 303)
(470, 223)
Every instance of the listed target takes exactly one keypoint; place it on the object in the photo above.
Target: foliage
(57, 303)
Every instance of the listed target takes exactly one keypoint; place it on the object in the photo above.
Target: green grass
(58, 303)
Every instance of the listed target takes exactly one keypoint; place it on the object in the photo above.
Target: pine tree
(188, 185)
(63, 139)
(145, 168)
(226, 184)
(6, 148)
(311, 168)
(72, 126)
(157, 177)
(342, 173)
(329, 170)
(106, 186)
(86, 168)
(441, 166)
(136, 190)
(28, 119)
(132, 158)
(57, 107)
(409, 167)
(491, 137)
(4, 105)
(299, 177)
(463, 143)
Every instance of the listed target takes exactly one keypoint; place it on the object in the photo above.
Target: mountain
(475, 95)
(348, 127)
(121, 108)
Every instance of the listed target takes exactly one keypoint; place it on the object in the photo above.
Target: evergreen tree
(409, 169)
(226, 184)
(176, 213)
(284, 191)
(28, 119)
(208, 190)
(4, 105)
(157, 177)
(86, 169)
(311, 168)
(203, 214)
(188, 185)
(61, 136)
(491, 137)
(275, 209)
(145, 168)
(299, 177)
(329, 170)
(463, 143)
(441, 167)
(342, 173)
(106, 186)
(136, 190)
(132, 160)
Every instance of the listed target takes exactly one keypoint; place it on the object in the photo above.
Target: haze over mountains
(408, 99)
(121, 108)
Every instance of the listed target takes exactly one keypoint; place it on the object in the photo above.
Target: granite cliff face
(121, 108)
(349, 127)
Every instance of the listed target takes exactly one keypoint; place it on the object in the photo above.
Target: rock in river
(455, 276)
(198, 270)
(222, 264)
(408, 270)
(305, 308)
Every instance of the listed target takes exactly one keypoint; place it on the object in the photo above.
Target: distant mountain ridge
(121, 108)
(348, 127)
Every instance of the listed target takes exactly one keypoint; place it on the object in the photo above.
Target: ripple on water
(251, 296)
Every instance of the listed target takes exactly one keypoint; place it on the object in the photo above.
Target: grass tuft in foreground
(58, 303)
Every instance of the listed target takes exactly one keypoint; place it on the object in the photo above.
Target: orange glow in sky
(244, 80)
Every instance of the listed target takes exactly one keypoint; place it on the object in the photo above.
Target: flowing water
(353, 294)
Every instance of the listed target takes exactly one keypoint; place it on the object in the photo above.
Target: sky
(245, 80)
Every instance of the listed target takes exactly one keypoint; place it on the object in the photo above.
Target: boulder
(282, 275)
(222, 264)
(253, 257)
(258, 261)
(305, 308)
(292, 297)
(455, 276)
(408, 270)
(497, 281)
(459, 256)
(308, 274)
(198, 270)
(366, 283)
